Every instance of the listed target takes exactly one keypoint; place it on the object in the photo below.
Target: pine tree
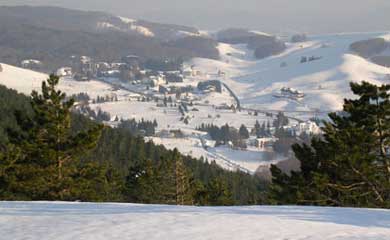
(263, 131)
(268, 130)
(49, 151)
(280, 121)
(165, 101)
(8, 158)
(167, 182)
(174, 181)
(244, 133)
(349, 166)
(257, 129)
(219, 193)
(183, 187)
(142, 184)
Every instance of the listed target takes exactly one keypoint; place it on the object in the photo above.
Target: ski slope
(325, 81)
(87, 221)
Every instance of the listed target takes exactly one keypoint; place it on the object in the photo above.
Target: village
(194, 111)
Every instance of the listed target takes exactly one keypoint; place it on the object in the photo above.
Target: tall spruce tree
(257, 129)
(174, 180)
(219, 193)
(142, 183)
(350, 165)
(49, 152)
(184, 191)
(168, 182)
(244, 133)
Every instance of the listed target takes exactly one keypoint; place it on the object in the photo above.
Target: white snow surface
(22, 80)
(127, 20)
(325, 81)
(109, 221)
(25, 81)
(132, 26)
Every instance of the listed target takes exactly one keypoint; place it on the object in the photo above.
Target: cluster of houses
(192, 72)
(263, 143)
(287, 92)
(305, 59)
(128, 69)
(64, 72)
(85, 68)
(173, 133)
(32, 64)
(210, 86)
(308, 127)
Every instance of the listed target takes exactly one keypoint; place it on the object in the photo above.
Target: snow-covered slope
(25, 81)
(130, 26)
(19, 79)
(147, 29)
(62, 221)
(324, 81)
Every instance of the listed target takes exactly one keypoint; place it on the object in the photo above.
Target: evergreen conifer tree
(350, 165)
(49, 152)
(243, 131)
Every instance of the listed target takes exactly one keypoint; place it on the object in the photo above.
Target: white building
(31, 63)
(64, 72)
(117, 65)
(308, 127)
(85, 59)
(187, 73)
(103, 66)
(155, 80)
(291, 92)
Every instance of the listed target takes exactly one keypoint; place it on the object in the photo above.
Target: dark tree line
(226, 134)
(263, 130)
(97, 115)
(101, 99)
(163, 64)
(143, 128)
(81, 97)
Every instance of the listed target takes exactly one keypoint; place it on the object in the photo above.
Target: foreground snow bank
(43, 220)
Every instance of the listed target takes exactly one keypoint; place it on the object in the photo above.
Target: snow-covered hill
(127, 25)
(25, 81)
(22, 80)
(324, 81)
(62, 221)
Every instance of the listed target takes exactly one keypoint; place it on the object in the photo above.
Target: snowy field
(84, 221)
(169, 117)
(248, 161)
